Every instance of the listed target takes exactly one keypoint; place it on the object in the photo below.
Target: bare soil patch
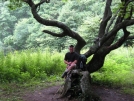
(105, 94)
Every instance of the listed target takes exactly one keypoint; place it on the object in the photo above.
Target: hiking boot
(64, 74)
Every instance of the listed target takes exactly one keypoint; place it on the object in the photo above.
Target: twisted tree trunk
(103, 45)
(78, 85)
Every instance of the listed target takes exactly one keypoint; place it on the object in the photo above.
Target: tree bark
(104, 44)
(66, 30)
(77, 83)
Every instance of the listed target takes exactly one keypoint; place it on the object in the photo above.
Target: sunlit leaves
(21, 32)
(30, 64)
(82, 16)
(15, 4)
(6, 21)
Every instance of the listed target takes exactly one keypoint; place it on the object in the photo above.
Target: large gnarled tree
(109, 28)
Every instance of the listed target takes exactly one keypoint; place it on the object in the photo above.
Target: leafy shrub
(28, 64)
(117, 70)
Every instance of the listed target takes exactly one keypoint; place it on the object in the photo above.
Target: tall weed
(28, 64)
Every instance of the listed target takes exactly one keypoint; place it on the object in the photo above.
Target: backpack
(82, 62)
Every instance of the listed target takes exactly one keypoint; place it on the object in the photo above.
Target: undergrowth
(30, 70)
(28, 64)
(118, 69)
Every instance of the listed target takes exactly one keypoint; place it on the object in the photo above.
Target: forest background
(29, 55)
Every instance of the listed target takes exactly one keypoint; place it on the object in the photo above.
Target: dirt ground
(105, 94)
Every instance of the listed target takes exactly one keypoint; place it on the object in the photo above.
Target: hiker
(70, 59)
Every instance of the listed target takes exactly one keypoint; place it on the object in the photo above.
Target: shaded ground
(106, 94)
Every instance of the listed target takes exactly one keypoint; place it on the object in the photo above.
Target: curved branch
(112, 20)
(94, 65)
(120, 41)
(124, 9)
(106, 17)
(101, 49)
(100, 43)
(54, 34)
(80, 41)
(130, 37)
(41, 2)
(128, 1)
(47, 22)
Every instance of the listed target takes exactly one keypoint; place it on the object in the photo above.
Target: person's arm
(66, 62)
(74, 62)
(76, 59)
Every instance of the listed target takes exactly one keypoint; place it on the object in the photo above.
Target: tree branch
(124, 8)
(113, 32)
(112, 20)
(41, 2)
(54, 34)
(106, 17)
(120, 41)
(80, 41)
(130, 37)
(122, 12)
(128, 1)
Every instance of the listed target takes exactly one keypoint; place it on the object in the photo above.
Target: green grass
(27, 65)
(128, 90)
(118, 70)
(30, 70)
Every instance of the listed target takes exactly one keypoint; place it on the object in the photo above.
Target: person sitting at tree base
(70, 59)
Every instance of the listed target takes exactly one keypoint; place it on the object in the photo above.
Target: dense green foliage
(30, 70)
(118, 69)
(19, 30)
(20, 34)
(39, 65)
(27, 33)
(26, 65)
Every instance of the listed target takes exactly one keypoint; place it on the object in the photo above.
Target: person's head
(71, 48)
